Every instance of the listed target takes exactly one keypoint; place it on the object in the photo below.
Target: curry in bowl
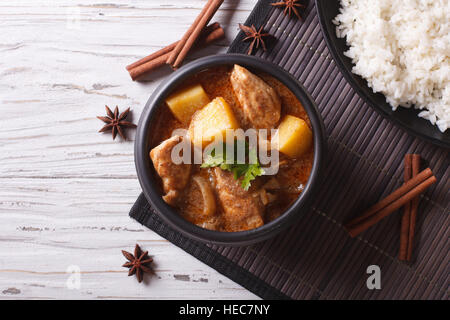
(216, 193)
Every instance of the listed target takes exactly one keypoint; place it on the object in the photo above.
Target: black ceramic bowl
(405, 118)
(147, 175)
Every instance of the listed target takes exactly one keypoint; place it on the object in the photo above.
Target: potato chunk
(211, 121)
(294, 137)
(184, 103)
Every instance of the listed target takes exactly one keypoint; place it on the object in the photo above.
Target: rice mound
(402, 49)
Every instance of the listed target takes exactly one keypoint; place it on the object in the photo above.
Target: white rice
(402, 49)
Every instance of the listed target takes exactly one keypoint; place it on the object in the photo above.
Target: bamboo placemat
(315, 258)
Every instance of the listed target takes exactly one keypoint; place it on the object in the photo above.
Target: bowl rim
(438, 138)
(144, 168)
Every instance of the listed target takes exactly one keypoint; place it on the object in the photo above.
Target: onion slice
(209, 202)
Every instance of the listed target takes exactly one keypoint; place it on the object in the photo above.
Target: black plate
(147, 175)
(405, 118)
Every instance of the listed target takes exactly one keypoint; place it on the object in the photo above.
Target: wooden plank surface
(65, 190)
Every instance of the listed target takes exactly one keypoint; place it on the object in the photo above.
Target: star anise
(116, 122)
(256, 35)
(290, 6)
(139, 263)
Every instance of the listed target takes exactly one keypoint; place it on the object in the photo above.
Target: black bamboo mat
(315, 258)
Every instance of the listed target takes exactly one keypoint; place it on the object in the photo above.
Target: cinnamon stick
(181, 50)
(394, 195)
(394, 201)
(404, 229)
(412, 165)
(153, 56)
(414, 206)
(210, 34)
(183, 40)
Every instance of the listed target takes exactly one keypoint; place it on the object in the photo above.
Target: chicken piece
(243, 210)
(174, 177)
(260, 102)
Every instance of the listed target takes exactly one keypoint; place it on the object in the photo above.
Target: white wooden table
(66, 190)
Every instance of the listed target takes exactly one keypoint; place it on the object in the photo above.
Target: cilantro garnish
(249, 171)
